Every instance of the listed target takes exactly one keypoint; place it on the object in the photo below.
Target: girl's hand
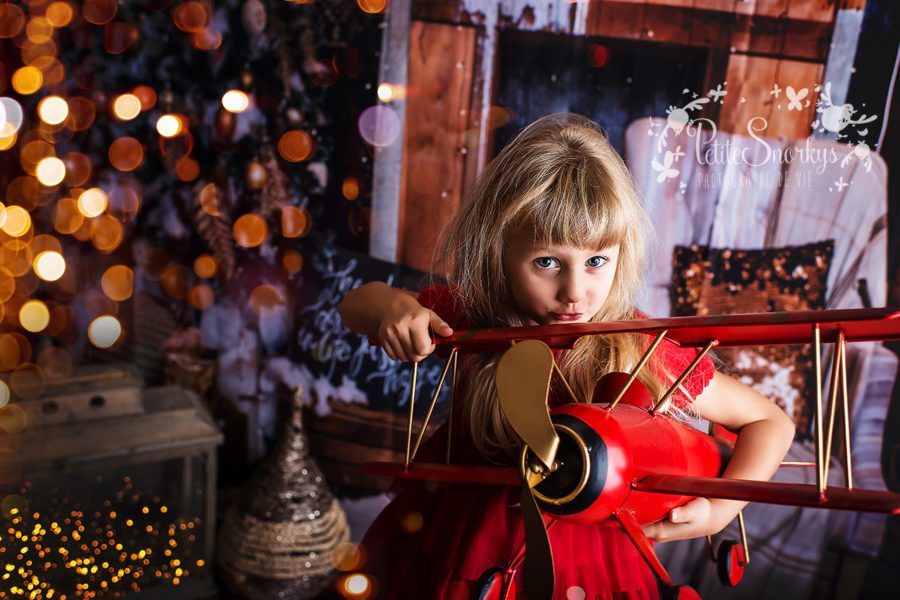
(697, 518)
(405, 331)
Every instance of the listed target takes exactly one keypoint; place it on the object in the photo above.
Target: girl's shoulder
(444, 299)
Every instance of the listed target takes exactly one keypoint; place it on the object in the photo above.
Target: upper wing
(751, 329)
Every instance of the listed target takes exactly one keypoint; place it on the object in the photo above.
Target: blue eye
(597, 261)
(545, 262)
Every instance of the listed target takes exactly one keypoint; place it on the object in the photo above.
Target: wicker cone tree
(277, 540)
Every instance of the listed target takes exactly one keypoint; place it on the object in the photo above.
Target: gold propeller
(523, 383)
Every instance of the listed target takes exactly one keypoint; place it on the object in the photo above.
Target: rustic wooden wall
(754, 45)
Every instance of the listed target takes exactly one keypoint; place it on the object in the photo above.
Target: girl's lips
(568, 316)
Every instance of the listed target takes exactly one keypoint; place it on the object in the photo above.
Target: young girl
(553, 233)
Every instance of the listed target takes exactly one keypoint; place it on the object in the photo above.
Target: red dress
(435, 540)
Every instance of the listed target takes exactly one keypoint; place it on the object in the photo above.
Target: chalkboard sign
(359, 396)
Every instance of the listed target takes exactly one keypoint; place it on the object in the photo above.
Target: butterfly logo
(665, 169)
(795, 98)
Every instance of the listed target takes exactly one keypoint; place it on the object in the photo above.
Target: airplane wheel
(680, 592)
(490, 585)
(730, 562)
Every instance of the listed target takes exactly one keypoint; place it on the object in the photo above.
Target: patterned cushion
(725, 281)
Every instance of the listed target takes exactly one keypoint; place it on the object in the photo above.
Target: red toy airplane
(622, 456)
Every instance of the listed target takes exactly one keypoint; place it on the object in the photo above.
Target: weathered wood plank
(439, 92)
(788, 121)
(750, 78)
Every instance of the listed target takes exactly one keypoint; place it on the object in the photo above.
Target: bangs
(579, 207)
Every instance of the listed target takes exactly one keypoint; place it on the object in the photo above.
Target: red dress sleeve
(444, 300)
(675, 360)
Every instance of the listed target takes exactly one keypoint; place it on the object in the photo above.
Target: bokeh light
(67, 218)
(208, 200)
(13, 114)
(350, 188)
(107, 233)
(4, 394)
(9, 352)
(118, 282)
(388, 92)
(347, 556)
(379, 125)
(250, 230)
(27, 80)
(38, 30)
(81, 113)
(34, 316)
(126, 154)
(92, 202)
(27, 381)
(126, 107)
(295, 222)
(33, 153)
(53, 110)
(7, 285)
(187, 169)
(12, 20)
(235, 101)
(201, 296)
(205, 266)
(190, 16)
(174, 282)
(169, 126)
(373, 7)
(18, 221)
(78, 168)
(2, 215)
(49, 265)
(356, 585)
(13, 419)
(292, 261)
(59, 14)
(267, 301)
(146, 95)
(104, 331)
(99, 12)
(295, 146)
(51, 171)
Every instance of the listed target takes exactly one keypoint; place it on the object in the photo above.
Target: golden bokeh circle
(67, 218)
(27, 80)
(78, 168)
(292, 261)
(12, 20)
(18, 221)
(13, 419)
(59, 14)
(126, 107)
(250, 230)
(350, 188)
(99, 12)
(118, 282)
(296, 146)
(107, 232)
(34, 316)
(235, 101)
(208, 200)
(168, 126)
(205, 266)
(49, 265)
(267, 301)
(51, 171)
(92, 202)
(295, 222)
(174, 282)
(372, 7)
(53, 110)
(81, 113)
(187, 169)
(126, 154)
(190, 16)
(9, 352)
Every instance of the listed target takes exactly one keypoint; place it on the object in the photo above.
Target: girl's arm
(403, 326)
(764, 435)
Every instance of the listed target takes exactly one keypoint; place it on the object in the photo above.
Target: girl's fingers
(409, 342)
(421, 342)
(391, 347)
(439, 326)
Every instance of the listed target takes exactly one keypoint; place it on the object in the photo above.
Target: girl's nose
(572, 289)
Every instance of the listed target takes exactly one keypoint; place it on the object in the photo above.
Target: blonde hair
(562, 177)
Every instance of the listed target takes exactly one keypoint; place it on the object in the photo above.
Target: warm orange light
(33, 153)
(8, 136)
(126, 154)
(53, 110)
(357, 586)
(67, 218)
(78, 168)
(147, 96)
(190, 16)
(373, 7)
(386, 92)
(18, 221)
(350, 188)
(107, 233)
(92, 202)
(38, 30)
(296, 146)
(2, 215)
(250, 230)
(267, 301)
(174, 282)
(12, 20)
(51, 171)
(59, 14)
(187, 169)
(201, 296)
(118, 282)
(235, 101)
(126, 107)
(205, 266)
(208, 200)
(49, 265)
(81, 113)
(206, 39)
(34, 316)
(104, 331)
(99, 12)
(292, 261)
(169, 126)
(27, 80)
(295, 222)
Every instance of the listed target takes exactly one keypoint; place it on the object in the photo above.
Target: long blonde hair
(561, 176)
